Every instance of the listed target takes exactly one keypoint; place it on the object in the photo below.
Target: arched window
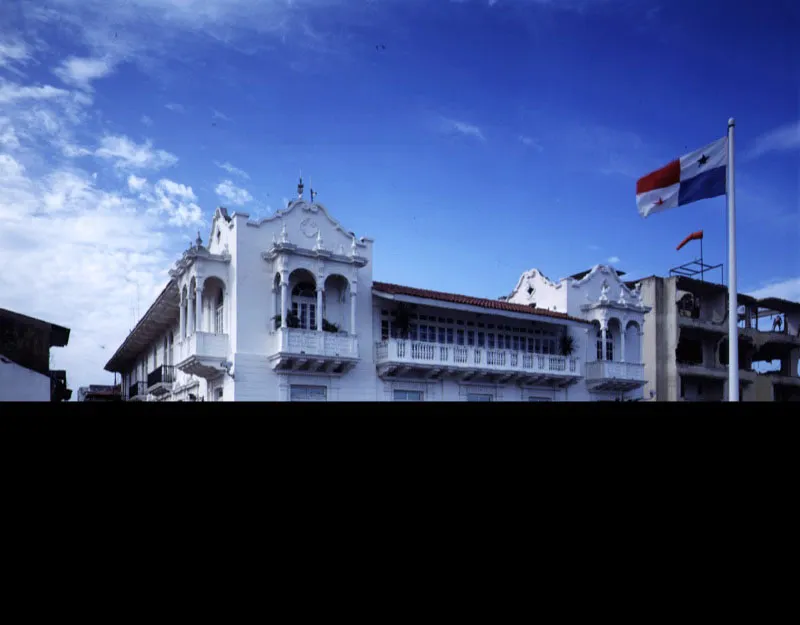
(609, 345)
(304, 304)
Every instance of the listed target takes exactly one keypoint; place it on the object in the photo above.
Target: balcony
(137, 392)
(160, 380)
(609, 375)
(202, 354)
(404, 358)
(312, 351)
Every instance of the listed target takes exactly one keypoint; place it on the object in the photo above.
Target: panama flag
(696, 176)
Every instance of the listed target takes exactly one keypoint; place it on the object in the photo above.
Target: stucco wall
(20, 384)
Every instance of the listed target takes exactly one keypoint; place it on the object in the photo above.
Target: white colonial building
(286, 309)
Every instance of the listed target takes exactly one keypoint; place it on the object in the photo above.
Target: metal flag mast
(733, 302)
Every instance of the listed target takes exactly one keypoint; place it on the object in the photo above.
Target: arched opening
(633, 347)
(214, 305)
(606, 349)
(302, 311)
(337, 291)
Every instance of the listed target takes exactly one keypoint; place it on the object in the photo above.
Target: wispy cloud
(782, 288)
(530, 142)
(80, 72)
(233, 194)
(215, 114)
(613, 260)
(784, 138)
(175, 108)
(127, 154)
(461, 127)
(13, 54)
(594, 248)
(233, 170)
(11, 92)
(147, 121)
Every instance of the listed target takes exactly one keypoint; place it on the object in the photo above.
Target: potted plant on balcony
(292, 320)
(327, 326)
(402, 320)
(567, 345)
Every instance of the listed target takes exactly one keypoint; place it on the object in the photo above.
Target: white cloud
(72, 250)
(215, 114)
(14, 53)
(175, 108)
(11, 93)
(785, 289)
(531, 143)
(146, 120)
(235, 195)
(784, 138)
(136, 184)
(127, 154)
(613, 260)
(594, 248)
(80, 72)
(464, 128)
(233, 170)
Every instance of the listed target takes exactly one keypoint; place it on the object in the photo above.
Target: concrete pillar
(198, 309)
(319, 309)
(353, 301)
(622, 346)
(182, 323)
(603, 335)
(284, 299)
(190, 314)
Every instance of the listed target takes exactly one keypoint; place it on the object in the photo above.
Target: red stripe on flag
(660, 178)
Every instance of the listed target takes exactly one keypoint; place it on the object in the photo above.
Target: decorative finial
(340, 250)
(313, 193)
(621, 299)
(354, 248)
(284, 234)
(604, 291)
(319, 245)
(300, 187)
(638, 294)
(274, 239)
(199, 241)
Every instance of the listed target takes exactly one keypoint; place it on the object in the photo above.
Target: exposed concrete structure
(686, 342)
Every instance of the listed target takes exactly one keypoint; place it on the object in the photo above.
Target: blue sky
(472, 140)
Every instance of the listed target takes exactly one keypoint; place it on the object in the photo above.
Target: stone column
(319, 308)
(198, 309)
(284, 299)
(603, 335)
(190, 313)
(622, 346)
(182, 323)
(353, 302)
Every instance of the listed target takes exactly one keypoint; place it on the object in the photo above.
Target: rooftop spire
(300, 186)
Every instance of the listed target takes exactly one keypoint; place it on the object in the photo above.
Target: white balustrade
(470, 357)
(608, 369)
(313, 342)
(202, 344)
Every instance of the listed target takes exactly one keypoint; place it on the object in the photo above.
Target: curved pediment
(310, 210)
(529, 277)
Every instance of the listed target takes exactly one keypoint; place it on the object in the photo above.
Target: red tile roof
(453, 298)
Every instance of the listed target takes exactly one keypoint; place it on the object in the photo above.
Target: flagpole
(733, 301)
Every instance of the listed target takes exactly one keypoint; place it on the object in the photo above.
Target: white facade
(17, 383)
(286, 309)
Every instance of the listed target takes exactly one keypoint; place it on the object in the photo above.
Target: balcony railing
(202, 345)
(610, 369)
(470, 357)
(137, 389)
(164, 374)
(313, 343)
